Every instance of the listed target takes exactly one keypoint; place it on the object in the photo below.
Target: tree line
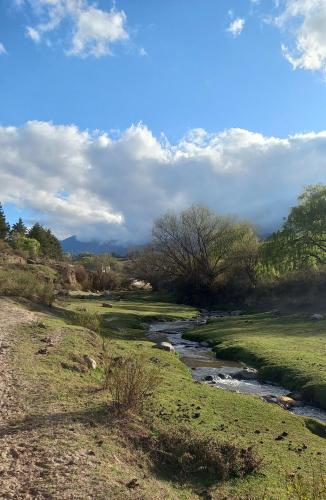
(34, 242)
(200, 254)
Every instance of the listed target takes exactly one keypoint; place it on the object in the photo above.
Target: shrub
(20, 283)
(83, 277)
(86, 319)
(187, 454)
(131, 381)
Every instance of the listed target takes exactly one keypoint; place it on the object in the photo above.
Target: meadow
(291, 448)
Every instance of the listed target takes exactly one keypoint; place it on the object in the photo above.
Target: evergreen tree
(4, 226)
(50, 245)
(19, 228)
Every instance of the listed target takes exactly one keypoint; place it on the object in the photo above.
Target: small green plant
(187, 454)
(131, 381)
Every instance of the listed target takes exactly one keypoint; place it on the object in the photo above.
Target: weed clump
(186, 454)
(131, 381)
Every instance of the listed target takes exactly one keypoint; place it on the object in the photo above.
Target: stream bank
(225, 374)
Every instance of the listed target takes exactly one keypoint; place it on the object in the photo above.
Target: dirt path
(12, 315)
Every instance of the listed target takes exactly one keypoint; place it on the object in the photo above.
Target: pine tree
(50, 245)
(19, 228)
(4, 226)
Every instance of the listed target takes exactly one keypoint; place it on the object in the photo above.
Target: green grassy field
(290, 350)
(245, 420)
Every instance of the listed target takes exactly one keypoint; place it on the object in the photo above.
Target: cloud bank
(92, 185)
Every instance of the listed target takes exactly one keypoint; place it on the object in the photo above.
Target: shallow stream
(203, 363)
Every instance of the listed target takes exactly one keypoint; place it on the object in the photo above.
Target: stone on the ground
(317, 317)
(165, 346)
(90, 362)
(246, 374)
(107, 304)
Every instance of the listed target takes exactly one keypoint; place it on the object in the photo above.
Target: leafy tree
(4, 226)
(197, 246)
(29, 245)
(49, 244)
(19, 228)
(301, 243)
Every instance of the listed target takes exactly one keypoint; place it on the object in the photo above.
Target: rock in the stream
(287, 402)
(90, 362)
(317, 317)
(204, 344)
(246, 374)
(209, 378)
(165, 346)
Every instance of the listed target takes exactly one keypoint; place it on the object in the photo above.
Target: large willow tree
(301, 243)
(197, 246)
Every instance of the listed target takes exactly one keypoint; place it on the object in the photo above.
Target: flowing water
(200, 358)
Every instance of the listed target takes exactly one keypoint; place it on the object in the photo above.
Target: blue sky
(208, 66)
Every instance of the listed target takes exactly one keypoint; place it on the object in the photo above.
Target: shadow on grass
(90, 417)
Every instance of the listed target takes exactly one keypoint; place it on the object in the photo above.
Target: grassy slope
(287, 349)
(63, 396)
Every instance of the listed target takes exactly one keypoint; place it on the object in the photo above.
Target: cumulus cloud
(306, 22)
(236, 27)
(93, 185)
(93, 30)
(2, 49)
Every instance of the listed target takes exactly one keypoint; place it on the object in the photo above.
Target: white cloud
(306, 22)
(2, 49)
(93, 30)
(236, 27)
(95, 186)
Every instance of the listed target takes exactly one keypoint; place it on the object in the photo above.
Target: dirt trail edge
(12, 315)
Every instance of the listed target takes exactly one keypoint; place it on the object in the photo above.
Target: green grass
(230, 417)
(290, 350)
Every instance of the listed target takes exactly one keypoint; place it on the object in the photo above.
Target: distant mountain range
(74, 246)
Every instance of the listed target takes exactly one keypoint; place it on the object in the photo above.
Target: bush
(86, 319)
(131, 381)
(189, 455)
(20, 283)
(83, 277)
